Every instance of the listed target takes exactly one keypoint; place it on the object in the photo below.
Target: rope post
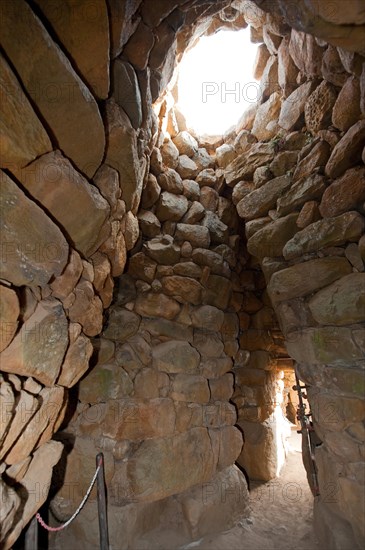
(31, 535)
(102, 511)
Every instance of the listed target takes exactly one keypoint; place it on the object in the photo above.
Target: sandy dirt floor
(281, 517)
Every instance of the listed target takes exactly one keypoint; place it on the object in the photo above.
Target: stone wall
(80, 143)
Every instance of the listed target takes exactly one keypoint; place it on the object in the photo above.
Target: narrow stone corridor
(282, 512)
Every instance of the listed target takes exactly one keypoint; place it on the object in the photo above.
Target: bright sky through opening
(215, 81)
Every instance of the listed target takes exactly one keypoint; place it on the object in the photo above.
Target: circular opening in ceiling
(215, 81)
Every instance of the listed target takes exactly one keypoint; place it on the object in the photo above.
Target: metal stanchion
(31, 536)
(102, 511)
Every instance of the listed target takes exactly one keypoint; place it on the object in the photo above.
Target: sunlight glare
(214, 81)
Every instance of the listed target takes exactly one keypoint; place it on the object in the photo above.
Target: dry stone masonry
(157, 287)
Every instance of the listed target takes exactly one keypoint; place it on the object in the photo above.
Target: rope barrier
(49, 528)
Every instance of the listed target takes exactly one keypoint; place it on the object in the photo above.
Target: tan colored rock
(207, 317)
(9, 510)
(149, 224)
(171, 207)
(302, 279)
(115, 249)
(87, 309)
(131, 232)
(260, 201)
(169, 476)
(86, 43)
(66, 104)
(194, 214)
(105, 383)
(175, 357)
(23, 138)
(271, 40)
(170, 181)
(40, 427)
(40, 345)
(63, 285)
(49, 180)
(139, 46)
(271, 239)
(9, 313)
(39, 472)
(34, 249)
(292, 109)
(282, 163)
(189, 388)
(76, 361)
(269, 80)
(151, 192)
(309, 213)
(306, 53)
(208, 343)
(126, 92)
(353, 254)
(224, 155)
(206, 177)
(197, 235)
(121, 154)
(191, 190)
(187, 168)
(163, 250)
(332, 67)
(318, 108)
(348, 151)
(317, 158)
(170, 154)
(287, 70)
(218, 291)
(339, 13)
(209, 198)
(341, 303)
(12, 420)
(345, 193)
(186, 144)
(244, 166)
(217, 229)
(138, 419)
(266, 126)
(329, 345)
(183, 289)
(171, 329)
(156, 305)
(142, 267)
(323, 233)
(305, 189)
(122, 324)
(346, 111)
(259, 454)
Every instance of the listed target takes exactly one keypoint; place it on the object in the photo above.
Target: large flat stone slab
(39, 347)
(33, 249)
(328, 232)
(304, 278)
(63, 100)
(83, 28)
(341, 303)
(76, 204)
(163, 467)
(23, 138)
(257, 203)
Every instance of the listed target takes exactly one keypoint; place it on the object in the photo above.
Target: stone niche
(157, 287)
